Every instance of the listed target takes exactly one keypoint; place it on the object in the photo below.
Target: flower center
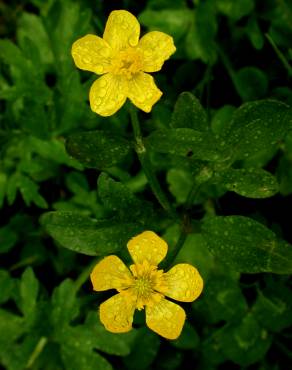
(127, 62)
(147, 280)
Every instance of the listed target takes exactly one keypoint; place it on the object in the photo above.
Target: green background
(220, 143)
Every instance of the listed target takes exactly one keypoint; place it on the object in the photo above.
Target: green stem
(36, 352)
(185, 228)
(228, 66)
(146, 164)
(83, 277)
(280, 55)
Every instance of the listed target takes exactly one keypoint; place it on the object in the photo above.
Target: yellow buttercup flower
(144, 286)
(122, 60)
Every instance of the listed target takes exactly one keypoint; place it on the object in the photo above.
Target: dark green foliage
(220, 144)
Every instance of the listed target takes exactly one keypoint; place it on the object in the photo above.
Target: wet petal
(157, 47)
(108, 94)
(122, 30)
(183, 283)
(92, 53)
(143, 92)
(116, 313)
(166, 319)
(110, 273)
(147, 246)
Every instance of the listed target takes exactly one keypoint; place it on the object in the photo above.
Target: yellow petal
(108, 94)
(116, 314)
(147, 246)
(122, 30)
(157, 47)
(110, 273)
(92, 53)
(166, 319)
(143, 92)
(183, 283)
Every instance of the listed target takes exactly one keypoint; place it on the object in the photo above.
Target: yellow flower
(145, 286)
(122, 60)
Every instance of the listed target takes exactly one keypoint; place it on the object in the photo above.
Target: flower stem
(186, 226)
(83, 277)
(36, 352)
(280, 55)
(146, 164)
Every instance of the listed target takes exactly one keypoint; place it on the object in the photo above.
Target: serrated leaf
(77, 352)
(98, 149)
(6, 286)
(31, 27)
(64, 305)
(251, 183)
(184, 142)
(246, 245)
(85, 235)
(189, 113)
(12, 326)
(105, 341)
(29, 288)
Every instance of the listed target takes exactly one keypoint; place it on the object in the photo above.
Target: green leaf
(245, 343)
(6, 286)
(189, 113)
(246, 245)
(85, 235)
(258, 127)
(200, 43)
(8, 238)
(64, 305)
(118, 198)
(254, 33)
(180, 183)
(222, 300)
(105, 341)
(144, 351)
(29, 288)
(184, 142)
(174, 22)
(251, 183)
(12, 326)
(235, 9)
(98, 149)
(189, 339)
(221, 120)
(251, 83)
(77, 353)
(31, 27)
(273, 308)
(3, 184)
